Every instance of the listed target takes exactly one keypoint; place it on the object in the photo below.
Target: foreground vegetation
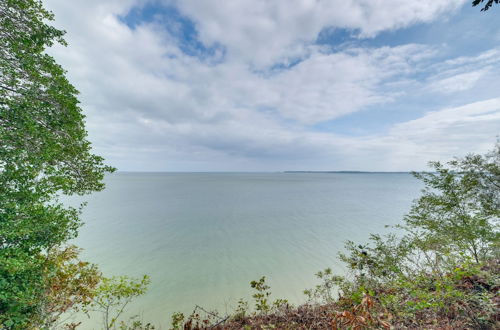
(44, 153)
(439, 269)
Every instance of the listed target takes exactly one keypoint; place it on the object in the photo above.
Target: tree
(71, 288)
(441, 265)
(488, 4)
(459, 208)
(113, 295)
(44, 153)
(454, 221)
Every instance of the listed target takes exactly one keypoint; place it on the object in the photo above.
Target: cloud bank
(247, 86)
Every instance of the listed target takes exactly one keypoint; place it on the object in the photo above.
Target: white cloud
(263, 32)
(478, 117)
(457, 83)
(486, 58)
(438, 135)
(464, 73)
(152, 107)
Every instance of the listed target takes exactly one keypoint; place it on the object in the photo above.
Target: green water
(202, 237)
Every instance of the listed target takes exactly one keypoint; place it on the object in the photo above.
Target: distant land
(351, 172)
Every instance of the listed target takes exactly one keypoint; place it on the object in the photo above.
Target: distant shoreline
(350, 172)
(263, 172)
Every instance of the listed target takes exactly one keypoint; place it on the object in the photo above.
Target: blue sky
(283, 85)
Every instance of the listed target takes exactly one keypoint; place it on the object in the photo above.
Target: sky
(260, 85)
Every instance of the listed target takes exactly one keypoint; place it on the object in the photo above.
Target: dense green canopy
(43, 153)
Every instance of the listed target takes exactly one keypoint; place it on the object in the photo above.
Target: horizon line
(283, 172)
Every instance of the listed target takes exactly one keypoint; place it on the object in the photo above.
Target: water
(202, 237)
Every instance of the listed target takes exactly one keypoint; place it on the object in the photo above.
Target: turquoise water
(202, 237)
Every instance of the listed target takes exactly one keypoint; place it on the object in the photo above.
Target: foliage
(262, 295)
(177, 320)
(459, 208)
(241, 310)
(432, 268)
(113, 295)
(454, 220)
(439, 270)
(380, 259)
(44, 152)
(464, 293)
(487, 5)
(323, 292)
(70, 283)
(71, 287)
(200, 318)
(262, 303)
(135, 324)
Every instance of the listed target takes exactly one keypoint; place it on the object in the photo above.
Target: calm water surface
(202, 237)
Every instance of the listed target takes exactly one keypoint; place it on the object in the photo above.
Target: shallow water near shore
(202, 237)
